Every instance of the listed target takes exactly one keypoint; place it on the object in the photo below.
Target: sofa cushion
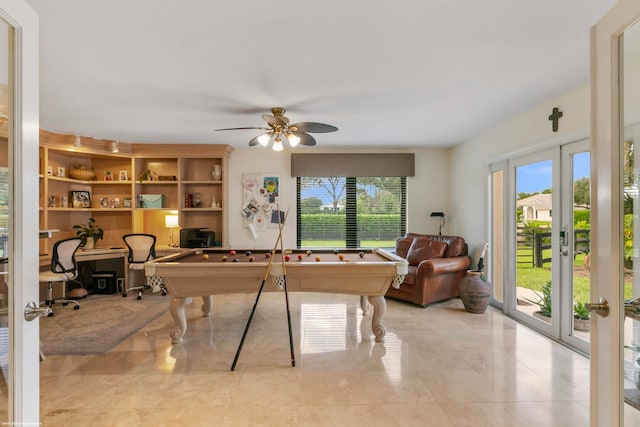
(402, 246)
(424, 248)
(455, 247)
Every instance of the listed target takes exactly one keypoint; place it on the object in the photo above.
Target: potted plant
(581, 317)
(544, 302)
(89, 233)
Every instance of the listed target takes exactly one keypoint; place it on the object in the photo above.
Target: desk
(97, 254)
(188, 274)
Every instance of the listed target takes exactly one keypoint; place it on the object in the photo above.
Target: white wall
(427, 191)
(528, 131)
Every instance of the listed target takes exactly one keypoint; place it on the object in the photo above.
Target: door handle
(32, 311)
(632, 306)
(600, 308)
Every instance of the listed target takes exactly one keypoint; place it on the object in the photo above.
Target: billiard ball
(267, 255)
(299, 257)
(287, 257)
(361, 254)
(232, 252)
(318, 259)
(205, 256)
(308, 253)
(224, 258)
(247, 253)
(251, 259)
(236, 260)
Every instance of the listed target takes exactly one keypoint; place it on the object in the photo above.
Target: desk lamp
(171, 222)
(441, 216)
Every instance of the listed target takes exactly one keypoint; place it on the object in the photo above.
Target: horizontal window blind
(348, 212)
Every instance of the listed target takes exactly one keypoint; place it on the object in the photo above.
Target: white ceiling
(407, 73)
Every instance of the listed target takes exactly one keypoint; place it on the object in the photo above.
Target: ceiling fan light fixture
(293, 139)
(264, 139)
(277, 145)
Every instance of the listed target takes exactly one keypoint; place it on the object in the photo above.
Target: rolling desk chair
(63, 269)
(142, 248)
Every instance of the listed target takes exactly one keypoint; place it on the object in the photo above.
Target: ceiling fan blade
(254, 141)
(305, 138)
(314, 127)
(242, 128)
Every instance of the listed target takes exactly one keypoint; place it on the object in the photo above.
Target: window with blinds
(350, 212)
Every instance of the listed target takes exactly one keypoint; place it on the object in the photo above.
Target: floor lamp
(171, 222)
(441, 216)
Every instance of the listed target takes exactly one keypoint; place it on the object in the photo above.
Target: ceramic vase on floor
(475, 293)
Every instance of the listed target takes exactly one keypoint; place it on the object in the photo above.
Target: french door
(542, 240)
(19, 189)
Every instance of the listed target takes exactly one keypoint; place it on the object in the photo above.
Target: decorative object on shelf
(148, 175)
(151, 201)
(50, 170)
(214, 203)
(188, 198)
(171, 222)
(81, 173)
(64, 202)
(90, 233)
(108, 176)
(279, 129)
(61, 171)
(81, 199)
(123, 176)
(216, 172)
(195, 202)
(126, 202)
(52, 202)
(167, 178)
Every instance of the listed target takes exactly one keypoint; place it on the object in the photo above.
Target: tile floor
(438, 366)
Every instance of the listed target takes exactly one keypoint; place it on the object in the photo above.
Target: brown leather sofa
(437, 264)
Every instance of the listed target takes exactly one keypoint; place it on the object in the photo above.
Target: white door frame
(606, 218)
(24, 374)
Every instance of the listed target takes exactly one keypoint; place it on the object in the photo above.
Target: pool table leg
(379, 309)
(364, 305)
(207, 303)
(180, 319)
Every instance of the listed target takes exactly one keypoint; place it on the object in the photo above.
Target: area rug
(102, 322)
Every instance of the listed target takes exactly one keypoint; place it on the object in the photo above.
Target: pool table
(214, 271)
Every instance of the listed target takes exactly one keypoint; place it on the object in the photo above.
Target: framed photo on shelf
(104, 202)
(108, 176)
(126, 202)
(61, 171)
(123, 176)
(81, 199)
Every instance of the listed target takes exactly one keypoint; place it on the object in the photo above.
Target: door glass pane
(497, 238)
(5, 209)
(631, 227)
(533, 239)
(581, 242)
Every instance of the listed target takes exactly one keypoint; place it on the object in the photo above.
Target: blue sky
(536, 177)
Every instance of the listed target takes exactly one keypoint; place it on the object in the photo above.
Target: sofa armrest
(443, 265)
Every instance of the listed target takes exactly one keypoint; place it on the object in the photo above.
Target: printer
(196, 238)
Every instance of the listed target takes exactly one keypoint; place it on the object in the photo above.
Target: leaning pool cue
(255, 304)
(286, 295)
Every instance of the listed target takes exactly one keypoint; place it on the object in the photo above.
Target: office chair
(142, 248)
(63, 269)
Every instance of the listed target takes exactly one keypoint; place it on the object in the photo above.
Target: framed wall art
(81, 199)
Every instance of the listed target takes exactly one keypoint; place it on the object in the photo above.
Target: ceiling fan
(279, 129)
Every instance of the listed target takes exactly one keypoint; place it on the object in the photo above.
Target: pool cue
(255, 304)
(286, 297)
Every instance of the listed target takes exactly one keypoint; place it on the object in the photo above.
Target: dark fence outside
(532, 243)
